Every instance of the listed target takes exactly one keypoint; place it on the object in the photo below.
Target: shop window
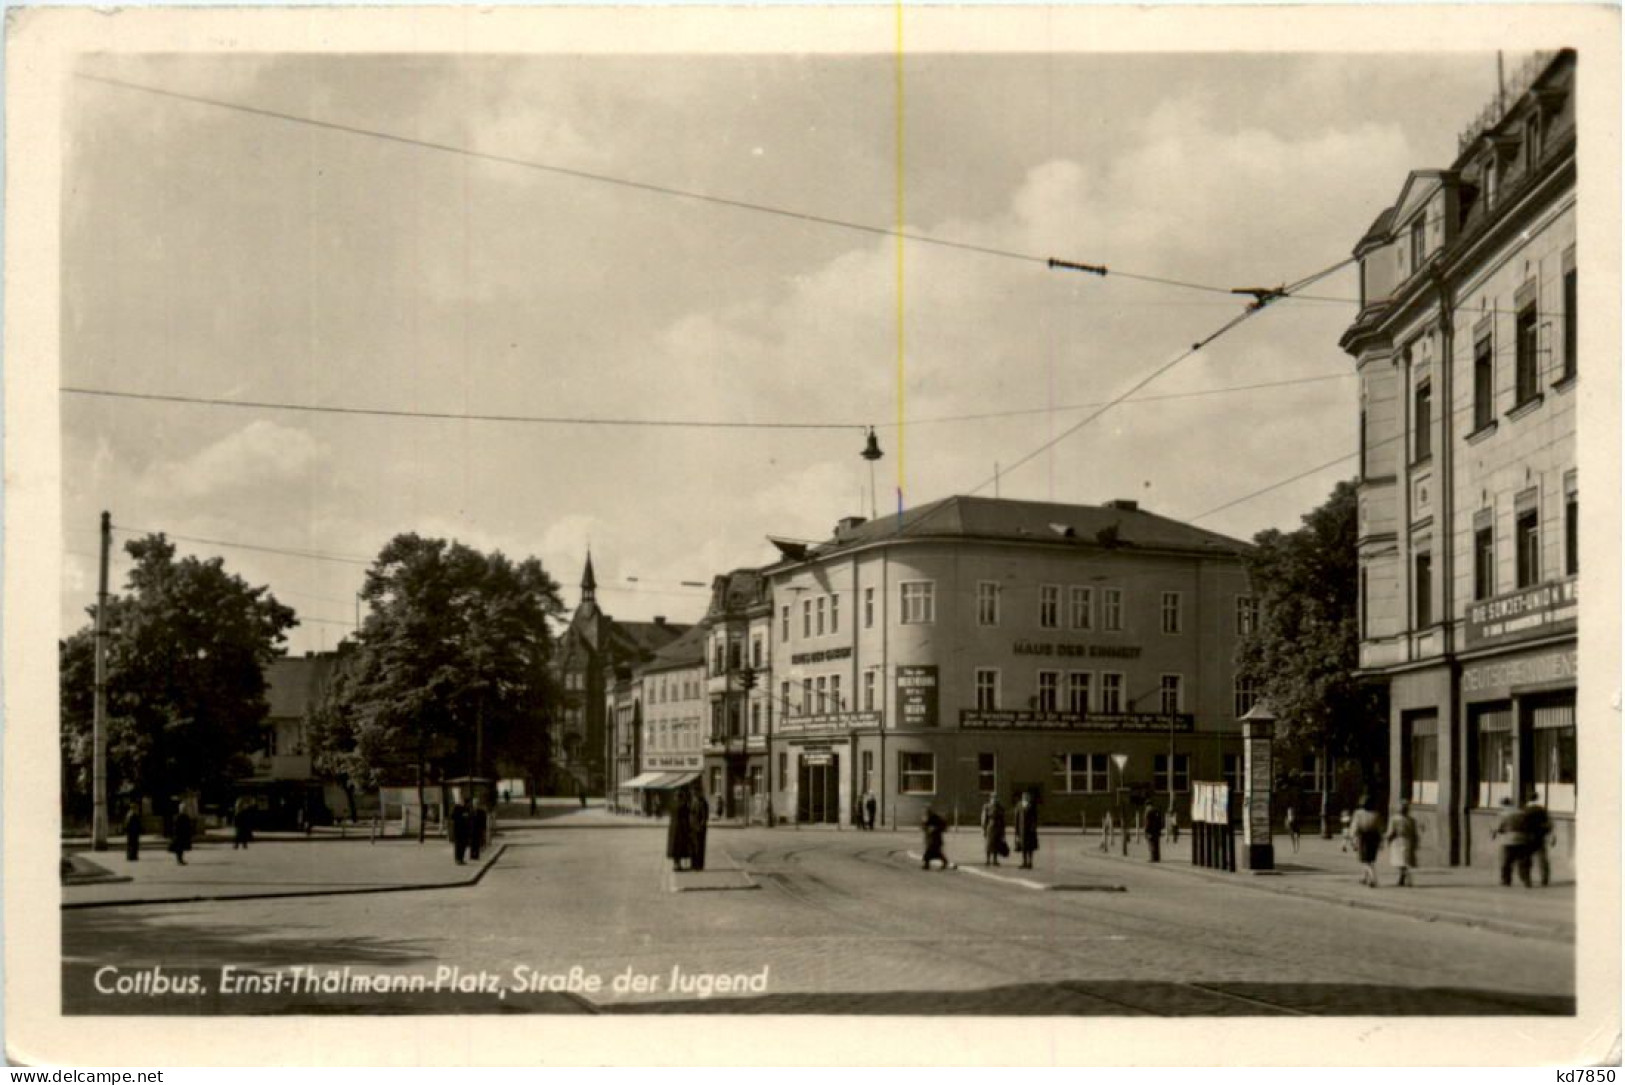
(1483, 383)
(987, 603)
(1172, 620)
(1049, 683)
(919, 599)
(987, 689)
(1077, 692)
(1111, 693)
(1421, 768)
(1553, 762)
(1182, 772)
(987, 773)
(1490, 733)
(916, 773)
(1049, 606)
(1172, 694)
(1111, 602)
(1080, 773)
(756, 780)
(1528, 355)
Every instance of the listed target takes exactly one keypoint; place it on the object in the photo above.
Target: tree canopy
(1305, 651)
(186, 665)
(448, 673)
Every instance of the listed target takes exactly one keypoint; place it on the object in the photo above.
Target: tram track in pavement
(989, 951)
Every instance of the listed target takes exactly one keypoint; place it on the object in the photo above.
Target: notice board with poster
(1258, 779)
(917, 695)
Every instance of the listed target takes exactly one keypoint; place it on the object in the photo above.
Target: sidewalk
(216, 872)
(1322, 871)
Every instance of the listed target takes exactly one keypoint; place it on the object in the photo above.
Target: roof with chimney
(1115, 525)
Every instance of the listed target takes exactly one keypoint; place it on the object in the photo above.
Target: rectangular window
(1422, 740)
(1077, 693)
(1424, 589)
(987, 602)
(1528, 356)
(1172, 692)
(806, 619)
(1483, 384)
(1083, 608)
(987, 773)
(1111, 693)
(1172, 622)
(868, 608)
(819, 626)
(1247, 692)
(835, 702)
(916, 773)
(1418, 242)
(1182, 772)
(1571, 528)
(756, 652)
(806, 696)
(868, 691)
(987, 689)
(1049, 685)
(919, 602)
(784, 699)
(1365, 605)
(1232, 771)
(1490, 730)
(835, 614)
(1423, 420)
(1552, 768)
(736, 719)
(1483, 563)
(1571, 323)
(1111, 604)
(756, 717)
(868, 771)
(1526, 545)
(784, 622)
(1080, 773)
(823, 694)
(1246, 615)
(736, 654)
(1049, 606)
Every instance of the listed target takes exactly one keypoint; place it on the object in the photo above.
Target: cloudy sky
(230, 254)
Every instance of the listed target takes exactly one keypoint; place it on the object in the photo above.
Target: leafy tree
(449, 671)
(1306, 650)
(186, 665)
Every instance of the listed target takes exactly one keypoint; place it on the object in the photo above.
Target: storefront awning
(672, 780)
(640, 781)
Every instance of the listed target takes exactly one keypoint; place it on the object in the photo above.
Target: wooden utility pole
(98, 816)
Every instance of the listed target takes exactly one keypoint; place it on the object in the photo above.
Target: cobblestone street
(791, 922)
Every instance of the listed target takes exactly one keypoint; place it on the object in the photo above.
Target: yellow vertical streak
(898, 135)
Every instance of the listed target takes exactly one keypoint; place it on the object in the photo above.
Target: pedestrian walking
(479, 826)
(1108, 832)
(242, 816)
(699, 819)
(870, 805)
(1173, 823)
(1293, 831)
(1537, 828)
(1512, 834)
(459, 827)
(132, 833)
(581, 793)
(994, 844)
(1153, 832)
(1348, 830)
(1402, 841)
(680, 832)
(180, 835)
(932, 827)
(1027, 828)
(1365, 828)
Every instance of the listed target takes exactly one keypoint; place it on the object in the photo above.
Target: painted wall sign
(1529, 612)
(1555, 666)
(1125, 722)
(1076, 651)
(672, 761)
(827, 721)
(917, 695)
(821, 656)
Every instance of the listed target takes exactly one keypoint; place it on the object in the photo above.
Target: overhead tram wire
(649, 187)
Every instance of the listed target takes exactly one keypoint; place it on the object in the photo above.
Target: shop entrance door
(818, 792)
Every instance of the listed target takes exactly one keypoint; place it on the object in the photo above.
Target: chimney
(660, 619)
(1124, 504)
(848, 524)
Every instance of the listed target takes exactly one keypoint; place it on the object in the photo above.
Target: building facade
(668, 746)
(976, 646)
(738, 691)
(1467, 350)
(284, 787)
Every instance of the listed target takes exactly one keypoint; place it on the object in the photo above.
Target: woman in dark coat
(699, 822)
(993, 831)
(932, 826)
(132, 834)
(180, 835)
(1026, 829)
(459, 831)
(242, 819)
(680, 832)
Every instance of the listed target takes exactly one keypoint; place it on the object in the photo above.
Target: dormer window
(1489, 183)
(1419, 241)
(1531, 142)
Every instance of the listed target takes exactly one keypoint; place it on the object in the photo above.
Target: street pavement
(582, 914)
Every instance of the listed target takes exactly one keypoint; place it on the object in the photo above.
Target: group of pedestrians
(470, 828)
(864, 813)
(994, 824)
(1523, 834)
(686, 831)
(182, 829)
